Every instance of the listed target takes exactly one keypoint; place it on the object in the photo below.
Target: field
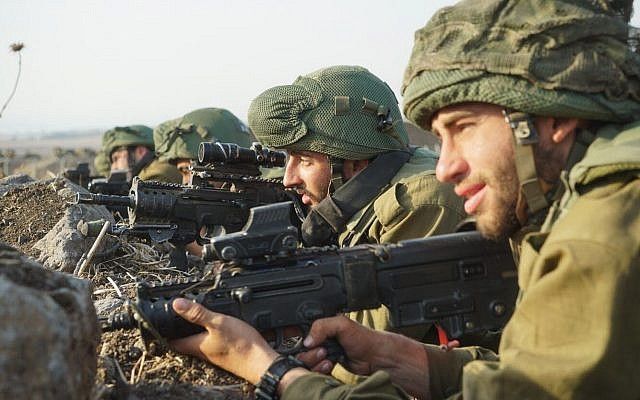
(41, 157)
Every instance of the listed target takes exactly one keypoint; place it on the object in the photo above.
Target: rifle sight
(230, 153)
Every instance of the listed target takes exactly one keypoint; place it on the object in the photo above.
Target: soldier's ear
(563, 128)
(352, 167)
(557, 129)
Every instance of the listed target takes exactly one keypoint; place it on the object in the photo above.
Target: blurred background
(90, 65)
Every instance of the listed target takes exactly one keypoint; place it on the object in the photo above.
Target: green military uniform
(575, 332)
(338, 111)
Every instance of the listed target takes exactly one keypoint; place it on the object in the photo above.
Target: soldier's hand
(227, 342)
(357, 341)
(368, 351)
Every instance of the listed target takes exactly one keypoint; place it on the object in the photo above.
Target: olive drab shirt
(415, 205)
(161, 171)
(576, 330)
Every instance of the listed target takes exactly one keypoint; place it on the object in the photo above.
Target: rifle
(115, 183)
(80, 175)
(176, 213)
(118, 183)
(463, 282)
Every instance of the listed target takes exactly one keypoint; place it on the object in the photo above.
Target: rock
(13, 180)
(104, 307)
(49, 331)
(62, 247)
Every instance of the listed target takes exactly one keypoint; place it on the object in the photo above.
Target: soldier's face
(310, 174)
(477, 156)
(183, 168)
(120, 160)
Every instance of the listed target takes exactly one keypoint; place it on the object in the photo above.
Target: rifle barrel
(104, 199)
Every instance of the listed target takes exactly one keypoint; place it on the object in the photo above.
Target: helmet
(125, 136)
(553, 58)
(345, 112)
(180, 137)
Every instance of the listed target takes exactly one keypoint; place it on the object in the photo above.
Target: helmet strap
(525, 138)
(140, 164)
(337, 180)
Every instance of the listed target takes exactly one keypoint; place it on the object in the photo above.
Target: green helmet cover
(124, 136)
(180, 137)
(342, 111)
(566, 58)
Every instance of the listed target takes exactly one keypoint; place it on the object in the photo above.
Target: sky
(96, 64)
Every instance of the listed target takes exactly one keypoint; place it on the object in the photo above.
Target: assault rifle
(463, 282)
(176, 213)
(115, 183)
(80, 175)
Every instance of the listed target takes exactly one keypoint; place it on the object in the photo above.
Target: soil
(28, 213)
(127, 368)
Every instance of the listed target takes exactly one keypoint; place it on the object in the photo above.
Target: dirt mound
(28, 212)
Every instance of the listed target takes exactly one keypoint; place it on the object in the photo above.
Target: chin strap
(337, 180)
(328, 219)
(138, 166)
(525, 138)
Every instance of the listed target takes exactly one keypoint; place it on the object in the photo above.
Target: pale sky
(99, 64)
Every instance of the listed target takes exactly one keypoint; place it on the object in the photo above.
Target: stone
(13, 180)
(49, 331)
(62, 247)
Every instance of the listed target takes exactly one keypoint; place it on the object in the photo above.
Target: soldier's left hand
(227, 342)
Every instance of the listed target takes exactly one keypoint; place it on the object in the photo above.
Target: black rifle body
(465, 283)
(177, 213)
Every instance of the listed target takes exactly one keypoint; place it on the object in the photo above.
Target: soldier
(537, 103)
(177, 140)
(130, 148)
(338, 122)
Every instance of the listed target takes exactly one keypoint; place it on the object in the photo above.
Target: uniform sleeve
(417, 207)
(445, 371)
(445, 368)
(574, 333)
(316, 387)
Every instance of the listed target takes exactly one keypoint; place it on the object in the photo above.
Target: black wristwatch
(267, 388)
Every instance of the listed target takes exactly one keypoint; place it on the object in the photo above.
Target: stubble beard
(316, 198)
(498, 220)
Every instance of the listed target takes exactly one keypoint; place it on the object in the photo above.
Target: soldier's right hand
(368, 351)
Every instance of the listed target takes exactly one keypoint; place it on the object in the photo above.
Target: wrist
(271, 384)
(289, 377)
(259, 365)
(406, 362)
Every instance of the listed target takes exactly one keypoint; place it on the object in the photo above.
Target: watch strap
(267, 388)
